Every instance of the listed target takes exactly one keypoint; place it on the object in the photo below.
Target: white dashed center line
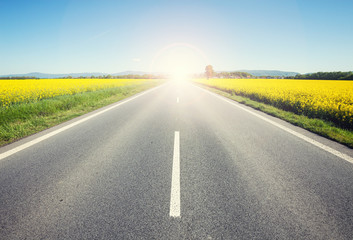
(175, 189)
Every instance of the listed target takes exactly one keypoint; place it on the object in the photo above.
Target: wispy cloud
(99, 35)
(136, 59)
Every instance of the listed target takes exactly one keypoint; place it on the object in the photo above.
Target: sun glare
(179, 61)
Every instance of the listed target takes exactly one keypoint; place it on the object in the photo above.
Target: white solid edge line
(46, 136)
(175, 189)
(299, 135)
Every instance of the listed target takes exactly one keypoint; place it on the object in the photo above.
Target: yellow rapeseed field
(329, 100)
(19, 91)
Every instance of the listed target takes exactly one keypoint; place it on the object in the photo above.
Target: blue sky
(61, 36)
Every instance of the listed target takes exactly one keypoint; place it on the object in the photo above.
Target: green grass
(318, 126)
(21, 120)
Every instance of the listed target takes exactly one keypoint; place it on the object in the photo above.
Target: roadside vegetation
(323, 107)
(27, 91)
(35, 113)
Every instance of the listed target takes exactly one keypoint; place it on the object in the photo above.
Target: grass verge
(318, 126)
(21, 120)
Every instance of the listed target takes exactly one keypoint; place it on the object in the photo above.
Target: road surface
(175, 162)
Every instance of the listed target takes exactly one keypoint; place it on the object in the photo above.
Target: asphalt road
(235, 176)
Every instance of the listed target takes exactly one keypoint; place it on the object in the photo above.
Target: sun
(179, 60)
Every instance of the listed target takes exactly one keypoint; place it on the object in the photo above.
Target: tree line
(210, 73)
(325, 76)
(233, 75)
(129, 76)
(19, 78)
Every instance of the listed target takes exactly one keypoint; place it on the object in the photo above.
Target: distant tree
(349, 77)
(325, 76)
(209, 71)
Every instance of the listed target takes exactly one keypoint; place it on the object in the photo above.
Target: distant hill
(130, 73)
(75, 75)
(275, 73)
(256, 73)
(50, 75)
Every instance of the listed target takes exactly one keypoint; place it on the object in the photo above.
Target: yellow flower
(331, 100)
(20, 91)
